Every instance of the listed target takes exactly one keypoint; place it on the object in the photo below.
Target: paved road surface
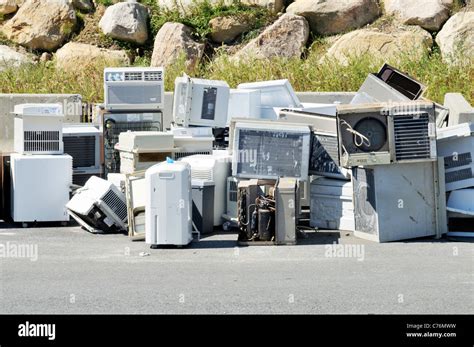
(77, 272)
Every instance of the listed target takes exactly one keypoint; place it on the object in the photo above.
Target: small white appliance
(38, 128)
(192, 141)
(100, 201)
(168, 204)
(200, 102)
(134, 88)
(40, 187)
(213, 168)
(277, 93)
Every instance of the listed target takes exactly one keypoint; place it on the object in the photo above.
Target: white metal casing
(168, 204)
(40, 187)
(38, 129)
(200, 102)
(277, 93)
(134, 88)
(244, 103)
(212, 168)
(145, 141)
(103, 195)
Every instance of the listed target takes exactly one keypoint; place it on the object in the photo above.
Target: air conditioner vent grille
(153, 76)
(116, 204)
(81, 149)
(412, 139)
(41, 141)
(201, 174)
(462, 159)
(233, 191)
(179, 155)
(133, 76)
(459, 175)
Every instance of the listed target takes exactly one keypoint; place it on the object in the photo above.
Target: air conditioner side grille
(116, 205)
(201, 174)
(41, 141)
(179, 155)
(412, 139)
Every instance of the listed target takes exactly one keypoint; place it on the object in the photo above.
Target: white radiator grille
(412, 139)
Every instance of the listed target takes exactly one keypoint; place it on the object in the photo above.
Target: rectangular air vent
(81, 149)
(41, 141)
(116, 205)
(133, 76)
(153, 76)
(412, 140)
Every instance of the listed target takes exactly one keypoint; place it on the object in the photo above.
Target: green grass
(305, 75)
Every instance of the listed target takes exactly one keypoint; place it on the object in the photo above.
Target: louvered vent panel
(81, 149)
(116, 205)
(412, 137)
(41, 141)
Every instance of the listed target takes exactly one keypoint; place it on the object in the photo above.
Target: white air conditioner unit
(40, 187)
(377, 134)
(213, 168)
(134, 88)
(100, 203)
(399, 201)
(38, 128)
(200, 102)
(82, 142)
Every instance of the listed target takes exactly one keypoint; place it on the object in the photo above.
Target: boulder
(83, 5)
(126, 21)
(183, 5)
(11, 58)
(226, 29)
(75, 55)
(286, 38)
(328, 17)
(456, 38)
(8, 6)
(41, 24)
(429, 14)
(173, 40)
(407, 41)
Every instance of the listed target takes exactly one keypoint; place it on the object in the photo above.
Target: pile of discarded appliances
(390, 165)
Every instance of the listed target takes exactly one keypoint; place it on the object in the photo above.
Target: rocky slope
(75, 33)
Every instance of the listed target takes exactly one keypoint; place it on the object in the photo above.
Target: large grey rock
(184, 5)
(456, 38)
(173, 40)
(327, 17)
(11, 58)
(83, 5)
(429, 14)
(126, 21)
(74, 55)
(286, 38)
(412, 41)
(8, 6)
(226, 29)
(41, 24)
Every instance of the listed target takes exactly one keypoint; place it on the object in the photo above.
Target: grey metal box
(399, 201)
(286, 201)
(203, 206)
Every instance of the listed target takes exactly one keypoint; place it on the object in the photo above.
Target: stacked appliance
(397, 186)
(41, 174)
(134, 101)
